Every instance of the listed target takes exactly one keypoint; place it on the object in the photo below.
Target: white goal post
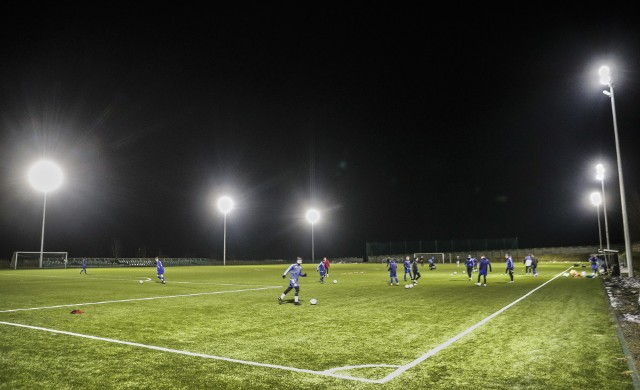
(437, 257)
(22, 259)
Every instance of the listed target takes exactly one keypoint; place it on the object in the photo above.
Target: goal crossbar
(27, 259)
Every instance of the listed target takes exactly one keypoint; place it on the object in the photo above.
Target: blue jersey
(321, 268)
(159, 267)
(393, 267)
(594, 262)
(509, 263)
(295, 272)
(84, 263)
(407, 266)
(484, 265)
(469, 262)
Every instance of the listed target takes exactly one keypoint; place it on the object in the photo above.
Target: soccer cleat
(279, 300)
(511, 281)
(390, 284)
(477, 284)
(297, 303)
(485, 285)
(164, 282)
(397, 284)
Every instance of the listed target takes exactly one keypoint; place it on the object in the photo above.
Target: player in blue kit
(483, 266)
(509, 269)
(407, 268)
(469, 263)
(322, 270)
(84, 266)
(393, 272)
(295, 272)
(594, 264)
(160, 270)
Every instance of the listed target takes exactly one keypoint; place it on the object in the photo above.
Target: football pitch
(222, 328)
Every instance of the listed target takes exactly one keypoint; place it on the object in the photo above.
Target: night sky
(397, 123)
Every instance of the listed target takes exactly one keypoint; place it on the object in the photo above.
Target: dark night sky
(398, 123)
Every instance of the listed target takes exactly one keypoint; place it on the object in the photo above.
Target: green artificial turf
(222, 328)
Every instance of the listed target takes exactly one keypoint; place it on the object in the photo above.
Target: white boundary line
(463, 333)
(140, 299)
(329, 372)
(202, 355)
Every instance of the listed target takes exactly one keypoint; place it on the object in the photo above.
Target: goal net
(437, 257)
(22, 259)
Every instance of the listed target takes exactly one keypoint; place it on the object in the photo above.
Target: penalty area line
(187, 353)
(463, 333)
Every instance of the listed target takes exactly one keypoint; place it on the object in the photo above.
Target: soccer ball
(335, 281)
(313, 301)
(141, 281)
(407, 286)
(411, 286)
(455, 272)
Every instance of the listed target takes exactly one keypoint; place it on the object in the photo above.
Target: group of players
(410, 268)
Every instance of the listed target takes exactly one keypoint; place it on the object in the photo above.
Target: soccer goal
(437, 257)
(22, 259)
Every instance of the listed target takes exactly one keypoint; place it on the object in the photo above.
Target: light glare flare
(605, 75)
(225, 204)
(596, 198)
(45, 176)
(313, 216)
(600, 172)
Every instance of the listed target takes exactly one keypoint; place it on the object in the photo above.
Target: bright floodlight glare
(225, 204)
(605, 75)
(45, 176)
(599, 172)
(596, 198)
(313, 216)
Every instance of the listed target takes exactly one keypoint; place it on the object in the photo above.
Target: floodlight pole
(313, 216)
(224, 244)
(313, 258)
(44, 212)
(225, 204)
(600, 176)
(599, 229)
(625, 220)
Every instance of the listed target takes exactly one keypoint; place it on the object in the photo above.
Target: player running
(295, 272)
(160, 270)
(469, 264)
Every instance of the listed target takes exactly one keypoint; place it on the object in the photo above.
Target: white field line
(140, 299)
(194, 354)
(329, 372)
(145, 278)
(463, 333)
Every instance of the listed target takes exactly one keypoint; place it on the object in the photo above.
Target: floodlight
(44, 176)
(225, 204)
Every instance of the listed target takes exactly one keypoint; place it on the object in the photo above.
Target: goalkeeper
(295, 272)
